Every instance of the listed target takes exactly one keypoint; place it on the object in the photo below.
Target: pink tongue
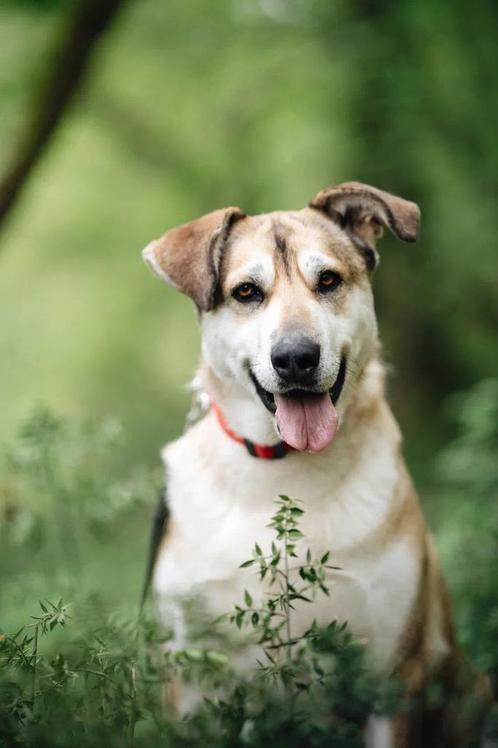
(308, 424)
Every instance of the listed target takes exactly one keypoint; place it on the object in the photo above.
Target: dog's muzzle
(306, 418)
(268, 398)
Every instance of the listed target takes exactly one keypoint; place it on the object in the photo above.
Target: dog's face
(294, 302)
(285, 299)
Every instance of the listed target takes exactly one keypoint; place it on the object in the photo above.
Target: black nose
(295, 360)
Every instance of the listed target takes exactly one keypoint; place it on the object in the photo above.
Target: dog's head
(285, 298)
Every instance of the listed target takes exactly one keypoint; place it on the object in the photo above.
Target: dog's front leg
(178, 697)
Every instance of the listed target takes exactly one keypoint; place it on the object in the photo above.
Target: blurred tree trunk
(70, 59)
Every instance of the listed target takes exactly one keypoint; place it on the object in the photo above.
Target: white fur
(259, 269)
(221, 498)
(229, 346)
(223, 506)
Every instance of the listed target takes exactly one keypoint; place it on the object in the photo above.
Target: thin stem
(88, 671)
(63, 524)
(288, 652)
(133, 705)
(287, 605)
(34, 658)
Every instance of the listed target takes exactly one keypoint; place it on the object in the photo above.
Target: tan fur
(289, 283)
(187, 256)
(400, 216)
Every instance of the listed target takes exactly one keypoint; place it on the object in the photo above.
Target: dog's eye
(329, 280)
(247, 292)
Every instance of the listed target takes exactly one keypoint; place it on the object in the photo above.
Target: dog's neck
(243, 411)
(246, 415)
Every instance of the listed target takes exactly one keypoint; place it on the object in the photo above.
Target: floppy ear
(188, 257)
(363, 211)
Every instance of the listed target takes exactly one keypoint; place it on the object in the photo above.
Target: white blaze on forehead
(250, 255)
(312, 262)
(258, 269)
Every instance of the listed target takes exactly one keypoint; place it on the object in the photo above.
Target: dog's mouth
(306, 419)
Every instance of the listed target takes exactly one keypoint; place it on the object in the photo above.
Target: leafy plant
(272, 622)
(316, 682)
(63, 500)
(106, 684)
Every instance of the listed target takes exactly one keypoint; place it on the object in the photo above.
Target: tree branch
(65, 76)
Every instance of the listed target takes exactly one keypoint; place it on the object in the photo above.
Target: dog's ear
(188, 257)
(363, 211)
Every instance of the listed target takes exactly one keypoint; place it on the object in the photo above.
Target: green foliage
(69, 470)
(106, 684)
(42, 6)
(88, 689)
(66, 507)
(468, 512)
(272, 621)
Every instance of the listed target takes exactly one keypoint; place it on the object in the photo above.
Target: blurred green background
(190, 106)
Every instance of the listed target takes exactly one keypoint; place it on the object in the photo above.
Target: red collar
(263, 451)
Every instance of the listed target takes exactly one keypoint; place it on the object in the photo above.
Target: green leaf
(298, 596)
(294, 533)
(195, 655)
(308, 573)
(217, 657)
(247, 598)
(246, 564)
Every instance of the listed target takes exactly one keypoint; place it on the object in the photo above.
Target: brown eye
(329, 280)
(247, 292)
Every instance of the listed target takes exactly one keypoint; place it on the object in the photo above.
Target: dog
(292, 367)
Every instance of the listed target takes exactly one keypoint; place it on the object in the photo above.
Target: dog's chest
(218, 516)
